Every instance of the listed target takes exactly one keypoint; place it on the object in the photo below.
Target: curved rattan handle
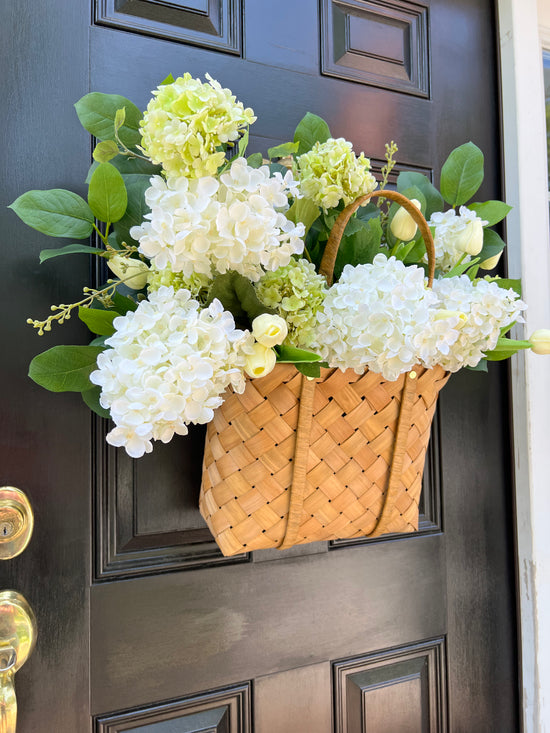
(331, 250)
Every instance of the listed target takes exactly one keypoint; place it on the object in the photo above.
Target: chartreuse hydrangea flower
(168, 365)
(187, 121)
(330, 172)
(208, 225)
(296, 292)
(196, 283)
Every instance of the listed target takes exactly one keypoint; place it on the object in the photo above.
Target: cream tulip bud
(491, 262)
(260, 361)
(540, 341)
(403, 226)
(133, 272)
(470, 239)
(269, 330)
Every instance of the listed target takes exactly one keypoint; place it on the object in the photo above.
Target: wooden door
(143, 625)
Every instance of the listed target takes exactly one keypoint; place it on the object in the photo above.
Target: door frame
(522, 38)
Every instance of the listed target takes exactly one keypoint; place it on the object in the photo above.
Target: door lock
(16, 522)
(17, 640)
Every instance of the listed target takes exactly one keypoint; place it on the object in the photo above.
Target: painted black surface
(166, 635)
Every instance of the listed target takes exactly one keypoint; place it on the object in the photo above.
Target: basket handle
(331, 250)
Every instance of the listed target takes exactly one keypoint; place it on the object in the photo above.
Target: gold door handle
(16, 522)
(17, 640)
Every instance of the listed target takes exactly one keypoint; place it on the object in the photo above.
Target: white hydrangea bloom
(454, 236)
(478, 311)
(168, 366)
(205, 225)
(371, 316)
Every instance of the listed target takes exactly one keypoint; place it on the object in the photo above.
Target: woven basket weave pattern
(248, 461)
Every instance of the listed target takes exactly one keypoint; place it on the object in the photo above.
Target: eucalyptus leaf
(491, 211)
(238, 296)
(462, 174)
(432, 197)
(360, 248)
(303, 210)
(65, 368)
(311, 129)
(481, 366)
(57, 213)
(91, 399)
(136, 185)
(281, 151)
(492, 244)
(255, 160)
(97, 114)
(107, 193)
(98, 321)
(105, 151)
(507, 283)
(169, 80)
(123, 304)
(311, 369)
(70, 249)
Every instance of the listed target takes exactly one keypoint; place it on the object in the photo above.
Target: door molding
(524, 144)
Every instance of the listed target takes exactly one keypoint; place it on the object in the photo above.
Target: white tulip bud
(133, 272)
(540, 341)
(403, 226)
(470, 239)
(269, 330)
(260, 361)
(491, 262)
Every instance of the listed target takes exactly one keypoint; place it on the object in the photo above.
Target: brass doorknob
(17, 640)
(16, 522)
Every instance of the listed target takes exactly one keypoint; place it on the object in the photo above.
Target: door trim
(524, 143)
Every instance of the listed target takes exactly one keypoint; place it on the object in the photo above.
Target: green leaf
(123, 303)
(136, 185)
(91, 399)
(434, 200)
(293, 355)
(277, 168)
(462, 174)
(98, 321)
(107, 193)
(238, 296)
(70, 249)
(303, 210)
(481, 366)
(281, 151)
(360, 248)
(507, 283)
(506, 348)
(57, 213)
(169, 80)
(65, 368)
(255, 160)
(491, 211)
(105, 151)
(120, 117)
(243, 144)
(97, 114)
(99, 341)
(312, 369)
(311, 129)
(492, 244)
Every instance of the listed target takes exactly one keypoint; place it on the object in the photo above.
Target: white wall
(529, 257)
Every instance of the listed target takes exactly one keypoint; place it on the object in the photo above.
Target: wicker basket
(295, 460)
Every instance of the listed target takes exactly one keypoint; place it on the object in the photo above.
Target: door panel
(143, 625)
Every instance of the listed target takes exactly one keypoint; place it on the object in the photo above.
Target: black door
(143, 625)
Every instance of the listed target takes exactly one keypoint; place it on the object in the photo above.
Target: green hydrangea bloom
(186, 122)
(296, 292)
(197, 284)
(330, 172)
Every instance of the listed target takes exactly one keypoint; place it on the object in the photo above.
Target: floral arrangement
(214, 260)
